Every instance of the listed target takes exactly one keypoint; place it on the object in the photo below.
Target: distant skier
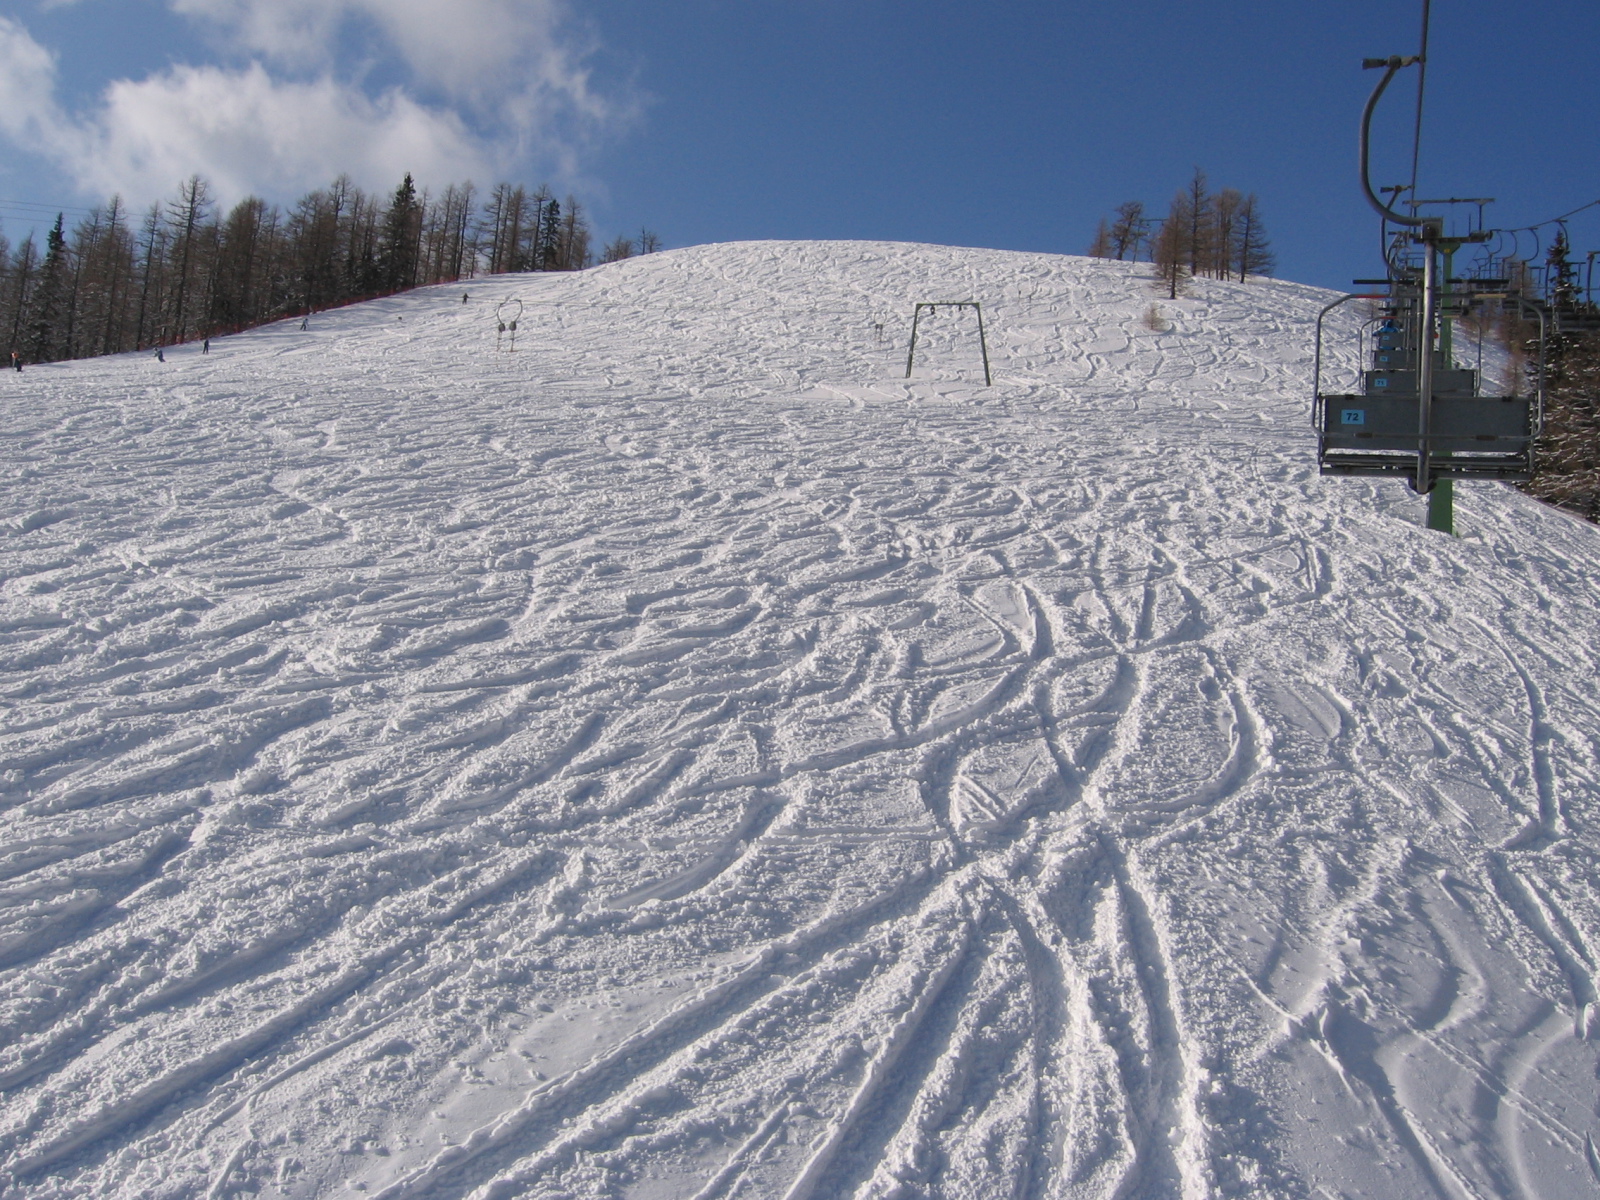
(304, 322)
(16, 360)
(161, 355)
(205, 346)
(463, 297)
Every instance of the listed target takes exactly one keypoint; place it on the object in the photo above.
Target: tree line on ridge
(185, 269)
(1218, 234)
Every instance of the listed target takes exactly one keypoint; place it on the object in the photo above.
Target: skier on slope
(16, 361)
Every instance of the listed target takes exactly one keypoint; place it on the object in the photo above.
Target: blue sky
(1014, 125)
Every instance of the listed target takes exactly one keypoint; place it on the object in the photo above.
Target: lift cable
(1538, 225)
(1422, 81)
(1416, 137)
(44, 209)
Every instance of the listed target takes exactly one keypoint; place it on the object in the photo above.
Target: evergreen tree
(44, 319)
(1567, 454)
(550, 236)
(397, 252)
(1561, 277)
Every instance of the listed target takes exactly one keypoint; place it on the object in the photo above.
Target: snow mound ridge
(683, 757)
(822, 309)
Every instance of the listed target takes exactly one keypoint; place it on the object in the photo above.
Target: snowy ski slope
(683, 759)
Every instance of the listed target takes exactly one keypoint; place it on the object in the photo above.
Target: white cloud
(238, 127)
(489, 53)
(488, 87)
(27, 87)
(293, 32)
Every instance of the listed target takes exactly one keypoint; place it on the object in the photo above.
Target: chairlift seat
(1580, 322)
(1454, 382)
(1377, 432)
(1477, 437)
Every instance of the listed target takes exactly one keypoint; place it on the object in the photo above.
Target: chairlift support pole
(1429, 230)
(1428, 332)
(1442, 499)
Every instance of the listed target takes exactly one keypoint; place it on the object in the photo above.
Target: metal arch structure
(930, 305)
(505, 320)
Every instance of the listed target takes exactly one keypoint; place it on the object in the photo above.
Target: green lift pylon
(1442, 499)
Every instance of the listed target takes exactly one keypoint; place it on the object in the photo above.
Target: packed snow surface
(681, 758)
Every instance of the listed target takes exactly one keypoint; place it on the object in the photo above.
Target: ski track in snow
(683, 758)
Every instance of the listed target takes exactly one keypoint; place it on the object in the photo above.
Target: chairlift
(1417, 413)
(1388, 429)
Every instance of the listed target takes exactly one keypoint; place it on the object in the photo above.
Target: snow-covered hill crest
(683, 758)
